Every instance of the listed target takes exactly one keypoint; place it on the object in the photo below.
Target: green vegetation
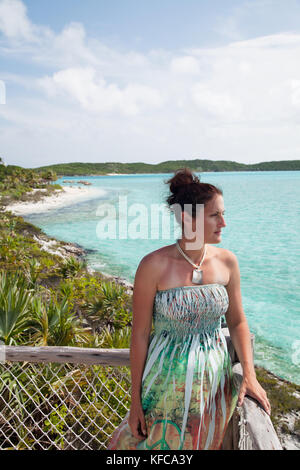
(50, 300)
(197, 165)
(21, 184)
(282, 397)
(47, 290)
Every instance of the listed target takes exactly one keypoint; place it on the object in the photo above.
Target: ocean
(262, 230)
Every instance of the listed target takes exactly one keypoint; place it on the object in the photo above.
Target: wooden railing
(249, 429)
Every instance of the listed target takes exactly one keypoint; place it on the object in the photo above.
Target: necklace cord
(187, 258)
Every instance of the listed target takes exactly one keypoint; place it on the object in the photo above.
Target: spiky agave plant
(15, 300)
(114, 338)
(71, 267)
(55, 324)
(32, 272)
(109, 308)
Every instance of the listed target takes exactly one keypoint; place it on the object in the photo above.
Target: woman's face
(214, 220)
(213, 216)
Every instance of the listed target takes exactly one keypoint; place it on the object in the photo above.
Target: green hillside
(197, 165)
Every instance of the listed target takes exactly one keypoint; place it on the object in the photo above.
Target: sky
(149, 81)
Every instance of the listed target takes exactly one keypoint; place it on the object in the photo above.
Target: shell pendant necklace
(197, 272)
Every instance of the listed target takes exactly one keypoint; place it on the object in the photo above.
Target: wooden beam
(67, 354)
(74, 355)
(258, 424)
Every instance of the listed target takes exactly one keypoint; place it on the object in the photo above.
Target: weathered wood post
(250, 427)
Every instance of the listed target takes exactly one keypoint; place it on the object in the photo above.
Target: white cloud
(295, 92)
(95, 95)
(14, 22)
(239, 102)
(219, 105)
(187, 65)
(68, 47)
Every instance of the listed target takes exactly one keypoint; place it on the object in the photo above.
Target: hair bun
(182, 178)
(187, 189)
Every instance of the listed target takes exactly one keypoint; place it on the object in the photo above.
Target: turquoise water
(262, 217)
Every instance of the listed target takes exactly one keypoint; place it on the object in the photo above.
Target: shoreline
(67, 196)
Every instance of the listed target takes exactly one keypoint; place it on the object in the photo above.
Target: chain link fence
(65, 398)
(66, 406)
(68, 398)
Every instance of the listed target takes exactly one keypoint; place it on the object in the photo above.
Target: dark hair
(186, 188)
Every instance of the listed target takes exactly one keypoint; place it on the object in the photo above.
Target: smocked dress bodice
(188, 310)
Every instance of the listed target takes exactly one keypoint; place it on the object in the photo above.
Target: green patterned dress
(188, 392)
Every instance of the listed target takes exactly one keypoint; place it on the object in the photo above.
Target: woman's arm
(240, 336)
(145, 285)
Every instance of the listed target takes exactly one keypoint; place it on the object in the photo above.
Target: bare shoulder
(229, 257)
(156, 257)
(232, 264)
(152, 264)
(223, 254)
(229, 262)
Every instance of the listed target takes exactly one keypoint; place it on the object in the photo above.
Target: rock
(289, 440)
(62, 249)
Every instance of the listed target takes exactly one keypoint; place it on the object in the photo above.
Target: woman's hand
(136, 421)
(250, 386)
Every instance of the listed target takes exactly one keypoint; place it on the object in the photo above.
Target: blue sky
(139, 24)
(149, 81)
(170, 24)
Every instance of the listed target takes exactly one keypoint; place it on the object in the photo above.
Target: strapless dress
(188, 392)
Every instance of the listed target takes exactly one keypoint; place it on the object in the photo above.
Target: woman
(183, 392)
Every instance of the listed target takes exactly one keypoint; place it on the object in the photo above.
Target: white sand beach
(67, 197)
